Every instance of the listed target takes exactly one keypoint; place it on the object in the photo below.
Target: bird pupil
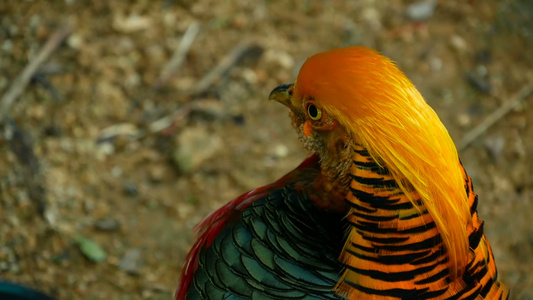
(313, 112)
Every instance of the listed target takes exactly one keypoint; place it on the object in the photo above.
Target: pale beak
(282, 93)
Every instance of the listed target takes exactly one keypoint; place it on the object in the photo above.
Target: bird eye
(314, 113)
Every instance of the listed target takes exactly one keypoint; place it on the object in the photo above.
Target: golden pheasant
(382, 209)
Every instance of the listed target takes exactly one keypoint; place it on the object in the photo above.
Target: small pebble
(421, 11)
(130, 189)
(131, 23)
(249, 76)
(372, 17)
(75, 41)
(436, 64)
(53, 131)
(458, 43)
(116, 171)
(239, 119)
(279, 58)
(481, 70)
(4, 266)
(107, 224)
(483, 56)
(7, 46)
(281, 150)
(156, 173)
(478, 83)
(132, 262)
(194, 146)
(463, 120)
(495, 146)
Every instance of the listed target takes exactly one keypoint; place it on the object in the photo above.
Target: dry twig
(226, 63)
(22, 146)
(491, 119)
(20, 83)
(179, 55)
(171, 121)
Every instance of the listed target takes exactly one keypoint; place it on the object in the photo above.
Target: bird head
(319, 131)
(356, 96)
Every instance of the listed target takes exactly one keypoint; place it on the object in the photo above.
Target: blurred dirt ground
(114, 151)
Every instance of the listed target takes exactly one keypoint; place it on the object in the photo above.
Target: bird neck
(386, 226)
(332, 182)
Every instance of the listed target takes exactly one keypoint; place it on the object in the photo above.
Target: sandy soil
(106, 163)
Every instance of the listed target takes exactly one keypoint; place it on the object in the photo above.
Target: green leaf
(193, 200)
(91, 249)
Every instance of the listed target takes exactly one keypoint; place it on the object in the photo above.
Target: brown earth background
(114, 151)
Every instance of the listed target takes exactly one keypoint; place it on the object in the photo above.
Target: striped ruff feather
(394, 249)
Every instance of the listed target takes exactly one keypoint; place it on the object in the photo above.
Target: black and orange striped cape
(276, 243)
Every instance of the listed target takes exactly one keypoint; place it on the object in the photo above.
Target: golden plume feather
(386, 114)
